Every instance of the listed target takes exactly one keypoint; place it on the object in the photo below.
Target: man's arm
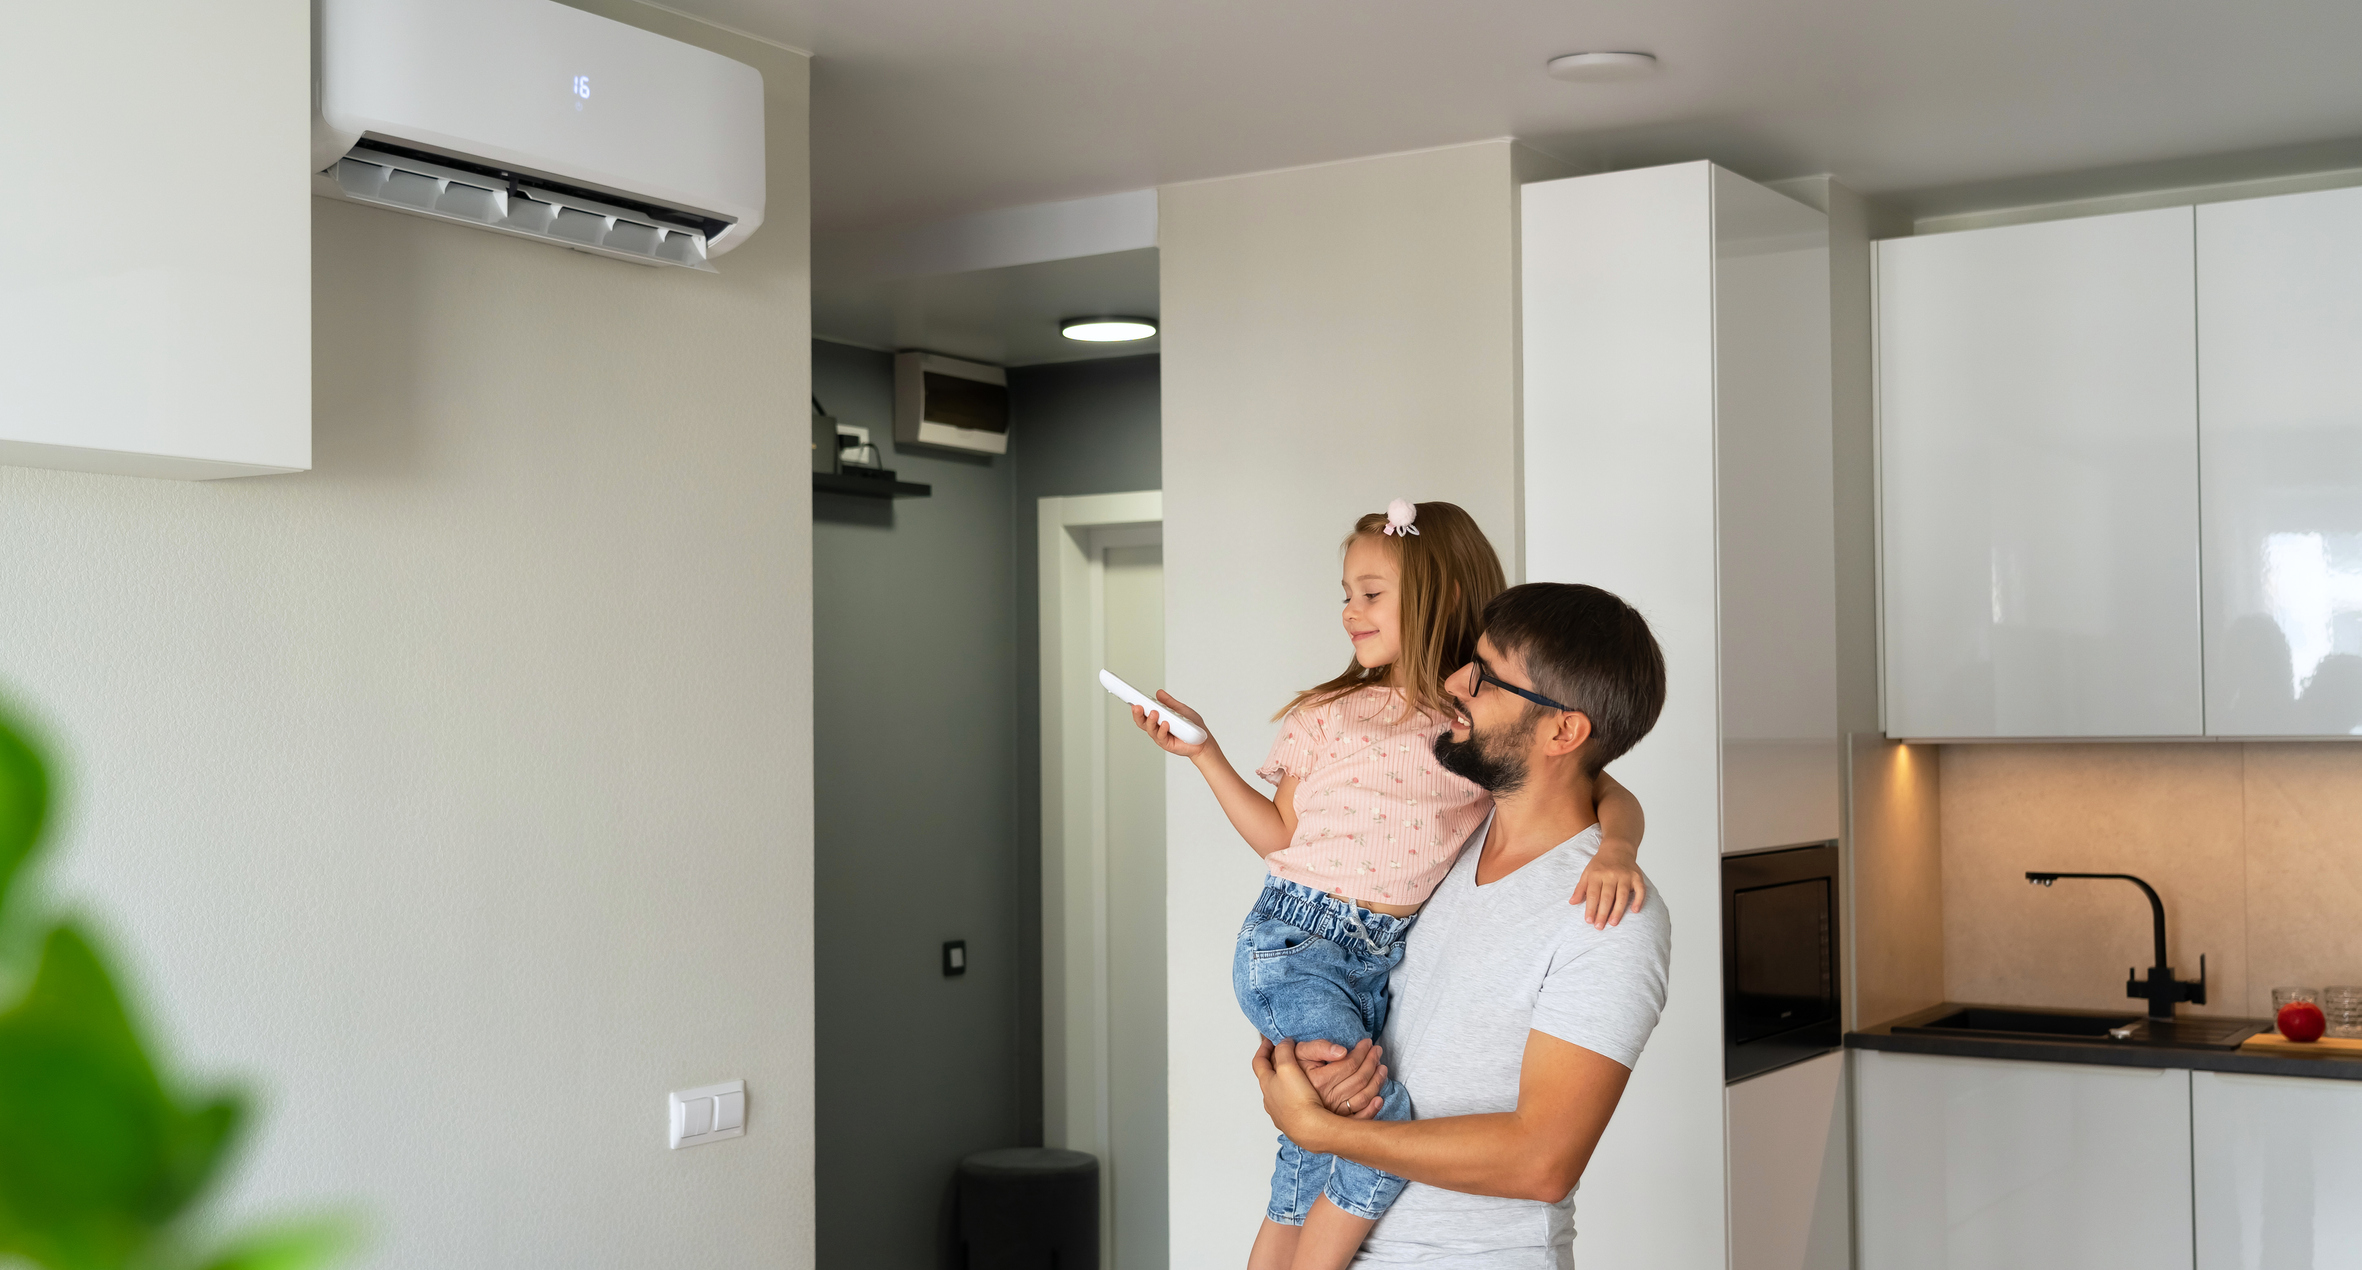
(1565, 1094)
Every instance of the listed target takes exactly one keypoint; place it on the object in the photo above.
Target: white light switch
(708, 1114)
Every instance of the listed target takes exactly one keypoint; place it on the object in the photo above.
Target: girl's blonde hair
(1449, 573)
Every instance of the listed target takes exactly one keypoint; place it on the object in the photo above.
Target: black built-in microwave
(1780, 976)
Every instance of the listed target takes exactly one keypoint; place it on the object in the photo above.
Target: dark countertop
(2329, 1065)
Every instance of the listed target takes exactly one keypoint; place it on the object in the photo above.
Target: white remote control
(1184, 731)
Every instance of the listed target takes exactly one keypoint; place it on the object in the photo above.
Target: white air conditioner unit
(943, 401)
(531, 118)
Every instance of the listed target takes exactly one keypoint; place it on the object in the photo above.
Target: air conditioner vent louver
(409, 183)
(471, 202)
(411, 189)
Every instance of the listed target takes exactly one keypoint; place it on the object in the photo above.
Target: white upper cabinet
(1775, 481)
(2280, 430)
(155, 239)
(1677, 386)
(2038, 433)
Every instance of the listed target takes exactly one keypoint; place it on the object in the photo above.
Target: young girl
(1365, 823)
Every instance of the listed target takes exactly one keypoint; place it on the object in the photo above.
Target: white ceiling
(930, 108)
(1005, 317)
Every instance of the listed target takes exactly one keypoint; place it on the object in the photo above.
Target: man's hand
(1349, 1084)
(1290, 1098)
(1611, 885)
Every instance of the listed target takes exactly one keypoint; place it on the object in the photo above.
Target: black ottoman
(1029, 1208)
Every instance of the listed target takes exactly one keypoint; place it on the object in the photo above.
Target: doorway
(1103, 861)
(994, 288)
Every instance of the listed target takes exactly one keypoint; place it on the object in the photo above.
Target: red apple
(2302, 1021)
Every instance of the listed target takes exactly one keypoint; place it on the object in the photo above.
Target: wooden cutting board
(2274, 1043)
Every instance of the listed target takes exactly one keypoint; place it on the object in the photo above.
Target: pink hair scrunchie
(1399, 515)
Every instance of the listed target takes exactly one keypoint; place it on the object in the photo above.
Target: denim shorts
(1312, 967)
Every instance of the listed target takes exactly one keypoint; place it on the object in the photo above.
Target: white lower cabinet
(1981, 1164)
(2278, 1171)
(1787, 1135)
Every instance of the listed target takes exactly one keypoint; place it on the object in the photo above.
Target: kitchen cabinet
(2280, 446)
(1677, 387)
(2278, 1173)
(156, 255)
(1675, 335)
(1971, 1163)
(2038, 451)
(1788, 1188)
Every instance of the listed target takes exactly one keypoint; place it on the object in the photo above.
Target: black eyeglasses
(1485, 676)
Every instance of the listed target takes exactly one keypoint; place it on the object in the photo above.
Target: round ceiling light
(1107, 330)
(1593, 68)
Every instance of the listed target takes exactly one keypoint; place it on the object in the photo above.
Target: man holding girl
(1539, 967)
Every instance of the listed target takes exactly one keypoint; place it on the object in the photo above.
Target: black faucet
(2162, 989)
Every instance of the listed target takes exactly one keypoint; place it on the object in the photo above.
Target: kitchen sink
(2047, 1025)
(2121, 1028)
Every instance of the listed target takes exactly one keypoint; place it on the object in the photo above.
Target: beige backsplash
(2256, 849)
(1898, 896)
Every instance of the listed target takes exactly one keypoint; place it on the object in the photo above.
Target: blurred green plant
(100, 1161)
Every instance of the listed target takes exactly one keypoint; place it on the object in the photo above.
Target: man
(1515, 1023)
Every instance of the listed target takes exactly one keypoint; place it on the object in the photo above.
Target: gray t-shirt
(1485, 965)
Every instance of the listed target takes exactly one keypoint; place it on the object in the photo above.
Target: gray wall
(927, 791)
(455, 794)
(1085, 428)
(914, 833)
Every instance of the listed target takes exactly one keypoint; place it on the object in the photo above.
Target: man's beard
(1474, 761)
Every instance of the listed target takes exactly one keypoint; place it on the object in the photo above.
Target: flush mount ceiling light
(1107, 330)
(1594, 68)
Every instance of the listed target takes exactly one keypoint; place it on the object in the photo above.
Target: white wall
(1334, 337)
(458, 791)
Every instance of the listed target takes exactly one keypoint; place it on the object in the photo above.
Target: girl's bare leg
(1330, 1237)
(1275, 1246)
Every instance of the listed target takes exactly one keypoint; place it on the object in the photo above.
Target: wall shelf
(868, 486)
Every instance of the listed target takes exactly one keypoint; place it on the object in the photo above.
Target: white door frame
(1075, 535)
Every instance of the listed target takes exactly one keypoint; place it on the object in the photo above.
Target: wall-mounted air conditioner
(943, 401)
(531, 118)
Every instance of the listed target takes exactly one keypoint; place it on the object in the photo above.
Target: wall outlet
(707, 1114)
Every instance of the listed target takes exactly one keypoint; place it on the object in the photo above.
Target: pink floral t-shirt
(1377, 818)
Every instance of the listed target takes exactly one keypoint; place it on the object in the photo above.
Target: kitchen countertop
(2339, 1065)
